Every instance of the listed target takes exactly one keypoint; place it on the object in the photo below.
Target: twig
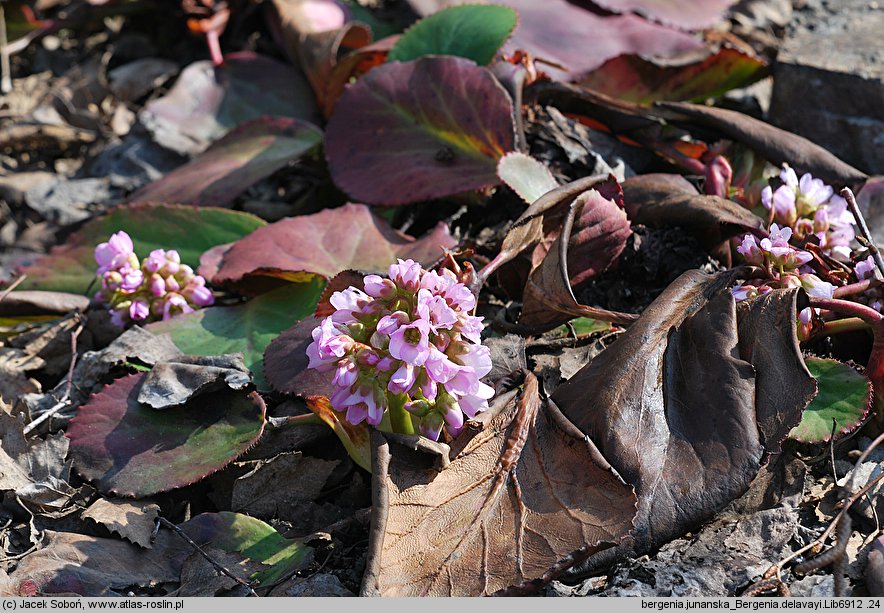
(15, 283)
(767, 585)
(58, 406)
(847, 194)
(165, 522)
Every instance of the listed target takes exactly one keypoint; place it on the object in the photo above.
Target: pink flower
(435, 311)
(139, 310)
(411, 343)
(865, 269)
(403, 379)
(114, 253)
(346, 303)
(406, 274)
(750, 250)
(378, 287)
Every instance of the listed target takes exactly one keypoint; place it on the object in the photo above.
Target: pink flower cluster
(809, 206)
(157, 288)
(408, 339)
(784, 265)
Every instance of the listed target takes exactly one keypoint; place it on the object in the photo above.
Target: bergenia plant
(810, 207)
(406, 345)
(157, 288)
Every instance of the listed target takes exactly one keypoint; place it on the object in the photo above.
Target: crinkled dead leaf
(522, 499)
(29, 303)
(133, 520)
(685, 14)
(174, 382)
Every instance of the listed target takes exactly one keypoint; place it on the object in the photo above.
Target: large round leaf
(474, 31)
(845, 396)
(411, 131)
(246, 328)
(133, 450)
(71, 267)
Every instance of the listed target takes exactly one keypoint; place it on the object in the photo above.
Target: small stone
(321, 585)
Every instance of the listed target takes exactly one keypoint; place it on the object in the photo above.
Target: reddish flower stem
(853, 289)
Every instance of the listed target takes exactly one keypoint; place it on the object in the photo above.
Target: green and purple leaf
(246, 328)
(845, 396)
(254, 540)
(643, 80)
(475, 32)
(412, 131)
(324, 244)
(207, 101)
(130, 449)
(247, 154)
(71, 267)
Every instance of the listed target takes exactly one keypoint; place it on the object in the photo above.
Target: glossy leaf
(577, 40)
(247, 154)
(645, 80)
(253, 540)
(475, 32)
(130, 449)
(71, 267)
(845, 397)
(519, 502)
(411, 131)
(246, 328)
(208, 101)
(326, 243)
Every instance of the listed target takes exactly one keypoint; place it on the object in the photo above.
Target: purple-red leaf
(349, 237)
(131, 449)
(687, 14)
(644, 80)
(207, 100)
(521, 501)
(411, 131)
(247, 154)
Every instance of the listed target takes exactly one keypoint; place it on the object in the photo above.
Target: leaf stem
(400, 419)
(852, 289)
(851, 309)
(849, 324)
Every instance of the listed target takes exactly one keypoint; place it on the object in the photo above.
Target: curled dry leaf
(174, 382)
(776, 145)
(592, 237)
(687, 14)
(133, 520)
(521, 500)
(27, 303)
(326, 243)
(676, 411)
(782, 380)
(412, 131)
(661, 200)
(354, 438)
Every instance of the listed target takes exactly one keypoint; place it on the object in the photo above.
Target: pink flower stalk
(408, 340)
(809, 206)
(160, 287)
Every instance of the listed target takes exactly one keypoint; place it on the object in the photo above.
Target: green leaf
(844, 395)
(246, 328)
(585, 325)
(130, 449)
(475, 32)
(190, 231)
(253, 539)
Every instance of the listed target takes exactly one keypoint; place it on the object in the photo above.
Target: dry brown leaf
(134, 520)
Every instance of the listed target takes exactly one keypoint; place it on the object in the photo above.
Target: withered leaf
(592, 237)
(783, 384)
(676, 411)
(660, 200)
(174, 382)
(776, 145)
(34, 302)
(131, 519)
(524, 498)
